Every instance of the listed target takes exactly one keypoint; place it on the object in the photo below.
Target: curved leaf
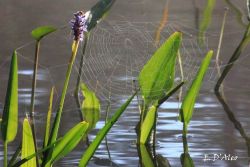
(28, 147)
(102, 133)
(9, 123)
(90, 107)
(41, 32)
(157, 76)
(190, 98)
(98, 11)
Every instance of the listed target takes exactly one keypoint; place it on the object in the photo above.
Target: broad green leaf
(186, 160)
(148, 124)
(9, 123)
(28, 147)
(98, 11)
(42, 31)
(90, 106)
(47, 129)
(102, 133)
(146, 158)
(192, 93)
(157, 76)
(206, 20)
(68, 142)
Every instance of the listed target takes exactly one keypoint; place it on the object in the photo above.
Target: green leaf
(206, 20)
(192, 93)
(90, 106)
(148, 124)
(41, 32)
(28, 147)
(186, 160)
(146, 158)
(157, 76)
(98, 11)
(68, 142)
(102, 133)
(9, 123)
(47, 129)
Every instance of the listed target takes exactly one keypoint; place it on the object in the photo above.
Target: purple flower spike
(79, 25)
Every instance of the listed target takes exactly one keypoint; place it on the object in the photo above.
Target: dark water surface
(117, 50)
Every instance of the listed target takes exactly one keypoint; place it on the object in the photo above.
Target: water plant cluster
(156, 85)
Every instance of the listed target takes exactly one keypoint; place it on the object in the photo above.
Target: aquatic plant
(37, 34)
(9, 123)
(188, 103)
(96, 13)
(156, 80)
(28, 145)
(90, 107)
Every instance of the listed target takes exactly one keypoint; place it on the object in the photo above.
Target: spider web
(115, 54)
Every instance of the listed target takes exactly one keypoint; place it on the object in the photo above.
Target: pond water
(117, 49)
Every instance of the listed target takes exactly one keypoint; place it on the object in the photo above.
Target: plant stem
(219, 46)
(65, 87)
(5, 163)
(32, 107)
(184, 130)
(79, 78)
(244, 42)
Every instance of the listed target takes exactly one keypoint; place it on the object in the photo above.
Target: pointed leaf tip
(9, 124)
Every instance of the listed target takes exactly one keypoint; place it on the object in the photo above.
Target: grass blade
(102, 133)
(68, 142)
(28, 147)
(10, 113)
(42, 31)
(47, 129)
(157, 76)
(192, 93)
(90, 107)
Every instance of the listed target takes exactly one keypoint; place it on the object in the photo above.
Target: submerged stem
(32, 107)
(5, 154)
(244, 42)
